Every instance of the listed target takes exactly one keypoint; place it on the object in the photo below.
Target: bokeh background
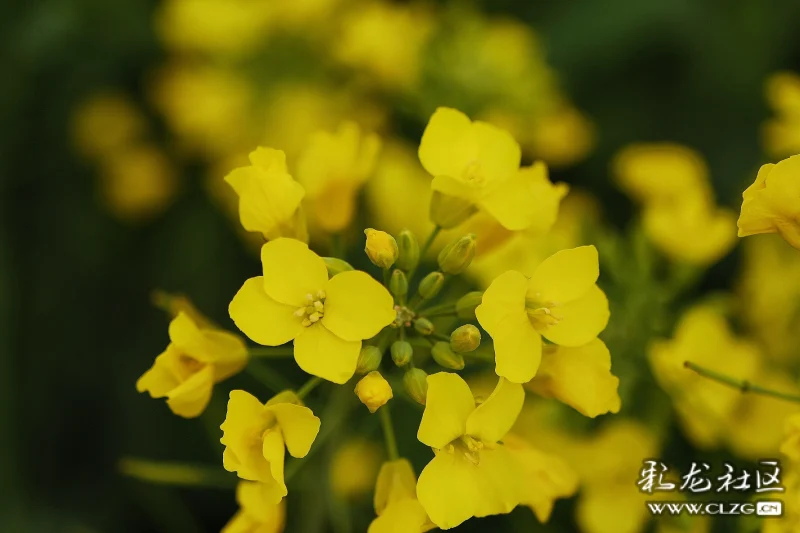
(79, 262)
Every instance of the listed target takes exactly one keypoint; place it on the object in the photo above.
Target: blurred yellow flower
(561, 137)
(386, 40)
(546, 477)
(295, 300)
(257, 512)
(354, 467)
(479, 164)
(333, 168)
(579, 377)
(770, 204)
(374, 391)
(471, 473)
(704, 407)
(137, 182)
(712, 230)
(256, 436)
(560, 301)
(396, 501)
(782, 132)
(269, 199)
(104, 123)
(661, 173)
(195, 359)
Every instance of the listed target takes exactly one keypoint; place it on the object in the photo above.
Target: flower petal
(356, 306)
(527, 200)
(566, 275)
(492, 419)
(504, 296)
(499, 153)
(188, 338)
(160, 379)
(448, 491)
(396, 481)
(404, 516)
(274, 451)
(298, 425)
(323, 354)
(260, 317)
(448, 143)
(499, 482)
(517, 348)
(227, 352)
(448, 405)
(243, 454)
(190, 398)
(581, 320)
(292, 271)
(580, 377)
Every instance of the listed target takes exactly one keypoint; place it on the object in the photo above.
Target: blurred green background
(76, 324)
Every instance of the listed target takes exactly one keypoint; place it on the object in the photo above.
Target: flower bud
(408, 247)
(465, 306)
(336, 266)
(415, 382)
(381, 248)
(446, 357)
(369, 359)
(373, 391)
(456, 256)
(465, 339)
(402, 352)
(423, 326)
(430, 285)
(449, 211)
(398, 283)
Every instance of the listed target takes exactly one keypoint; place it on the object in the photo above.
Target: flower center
(188, 366)
(474, 175)
(541, 314)
(404, 316)
(314, 309)
(467, 446)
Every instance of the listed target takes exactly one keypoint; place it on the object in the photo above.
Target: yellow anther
(321, 295)
(318, 306)
(300, 312)
(314, 317)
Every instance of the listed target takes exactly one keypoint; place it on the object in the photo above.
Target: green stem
(439, 310)
(337, 246)
(388, 433)
(271, 351)
(742, 385)
(267, 376)
(308, 386)
(429, 241)
(440, 336)
(387, 276)
(174, 473)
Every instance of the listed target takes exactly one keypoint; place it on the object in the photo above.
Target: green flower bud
(465, 339)
(446, 357)
(456, 256)
(398, 283)
(423, 326)
(465, 306)
(336, 266)
(430, 285)
(415, 382)
(409, 251)
(369, 359)
(449, 211)
(402, 352)
(381, 248)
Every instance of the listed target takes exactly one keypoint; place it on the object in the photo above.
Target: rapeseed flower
(257, 435)
(396, 501)
(326, 318)
(781, 133)
(257, 512)
(560, 301)
(195, 359)
(472, 474)
(771, 203)
(374, 391)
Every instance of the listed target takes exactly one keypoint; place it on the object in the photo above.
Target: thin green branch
(742, 385)
(175, 473)
(388, 433)
(308, 386)
(267, 376)
(271, 351)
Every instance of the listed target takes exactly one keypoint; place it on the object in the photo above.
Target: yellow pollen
(474, 175)
(540, 313)
(313, 311)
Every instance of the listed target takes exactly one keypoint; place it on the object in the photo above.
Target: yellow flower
(295, 300)
(547, 477)
(381, 248)
(562, 137)
(704, 407)
(712, 229)
(256, 436)
(791, 443)
(105, 123)
(257, 512)
(661, 173)
(374, 391)
(782, 132)
(770, 204)
(479, 164)
(195, 359)
(580, 377)
(354, 466)
(332, 168)
(560, 301)
(396, 501)
(269, 199)
(472, 474)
